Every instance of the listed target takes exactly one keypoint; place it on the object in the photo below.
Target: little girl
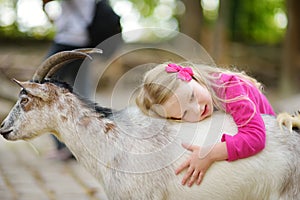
(192, 93)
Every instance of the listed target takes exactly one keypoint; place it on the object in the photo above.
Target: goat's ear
(35, 89)
(19, 83)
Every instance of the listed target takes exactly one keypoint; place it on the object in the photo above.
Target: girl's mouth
(204, 111)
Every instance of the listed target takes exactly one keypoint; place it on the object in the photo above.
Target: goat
(134, 156)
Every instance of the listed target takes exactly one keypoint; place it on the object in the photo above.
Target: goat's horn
(58, 66)
(54, 62)
(88, 50)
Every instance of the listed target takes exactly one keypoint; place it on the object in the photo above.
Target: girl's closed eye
(184, 115)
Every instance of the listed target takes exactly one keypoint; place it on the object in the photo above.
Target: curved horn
(54, 62)
(89, 50)
(59, 65)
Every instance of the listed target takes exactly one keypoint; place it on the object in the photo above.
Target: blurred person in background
(81, 24)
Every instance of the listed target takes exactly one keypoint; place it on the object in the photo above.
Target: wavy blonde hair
(158, 85)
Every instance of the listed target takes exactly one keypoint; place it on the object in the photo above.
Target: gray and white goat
(134, 156)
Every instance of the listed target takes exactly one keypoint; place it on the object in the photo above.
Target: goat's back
(153, 151)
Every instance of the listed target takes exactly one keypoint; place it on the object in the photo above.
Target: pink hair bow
(184, 73)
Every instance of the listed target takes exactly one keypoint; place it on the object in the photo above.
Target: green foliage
(12, 32)
(253, 21)
(250, 21)
(11, 27)
(145, 7)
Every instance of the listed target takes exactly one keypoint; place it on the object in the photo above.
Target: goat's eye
(24, 100)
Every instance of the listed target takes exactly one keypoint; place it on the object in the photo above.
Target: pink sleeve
(250, 138)
(246, 113)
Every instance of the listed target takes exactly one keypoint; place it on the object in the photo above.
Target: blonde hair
(158, 85)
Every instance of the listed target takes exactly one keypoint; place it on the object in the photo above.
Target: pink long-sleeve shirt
(251, 136)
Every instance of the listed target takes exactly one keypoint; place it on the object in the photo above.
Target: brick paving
(27, 174)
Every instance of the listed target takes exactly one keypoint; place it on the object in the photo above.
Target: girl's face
(190, 102)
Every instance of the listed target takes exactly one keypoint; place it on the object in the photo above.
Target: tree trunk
(190, 23)
(290, 79)
(220, 39)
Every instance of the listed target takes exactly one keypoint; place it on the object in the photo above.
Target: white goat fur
(111, 148)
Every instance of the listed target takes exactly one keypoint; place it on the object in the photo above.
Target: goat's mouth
(5, 133)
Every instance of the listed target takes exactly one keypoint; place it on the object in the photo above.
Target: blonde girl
(190, 92)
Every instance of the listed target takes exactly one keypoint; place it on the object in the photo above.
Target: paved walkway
(26, 174)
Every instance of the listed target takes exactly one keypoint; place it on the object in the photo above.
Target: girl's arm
(219, 152)
(250, 138)
(246, 112)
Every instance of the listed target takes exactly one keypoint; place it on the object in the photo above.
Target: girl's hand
(196, 167)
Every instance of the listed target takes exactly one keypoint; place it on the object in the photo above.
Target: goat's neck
(85, 132)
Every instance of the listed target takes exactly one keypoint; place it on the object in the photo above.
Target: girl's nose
(196, 108)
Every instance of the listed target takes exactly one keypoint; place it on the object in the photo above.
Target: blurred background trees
(260, 36)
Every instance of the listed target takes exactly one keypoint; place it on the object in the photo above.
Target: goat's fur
(135, 156)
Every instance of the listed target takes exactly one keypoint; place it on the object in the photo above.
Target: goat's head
(30, 115)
